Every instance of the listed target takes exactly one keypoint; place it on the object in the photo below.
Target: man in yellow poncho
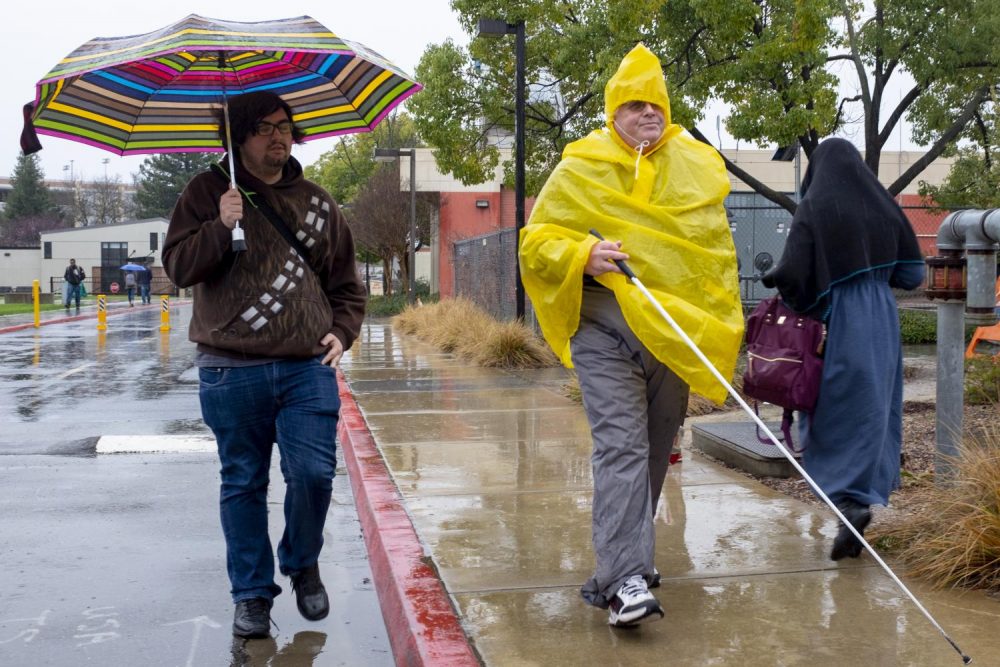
(656, 193)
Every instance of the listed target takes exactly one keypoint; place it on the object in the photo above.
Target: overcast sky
(37, 34)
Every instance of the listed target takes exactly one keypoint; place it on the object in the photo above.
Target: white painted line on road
(76, 370)
(150, 444)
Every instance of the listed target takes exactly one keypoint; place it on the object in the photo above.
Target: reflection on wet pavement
(68, 382)
(494, 467)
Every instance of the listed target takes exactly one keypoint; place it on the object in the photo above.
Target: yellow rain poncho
(665, 206)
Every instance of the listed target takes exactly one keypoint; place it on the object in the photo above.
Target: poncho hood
(668, 214)
(639, 78)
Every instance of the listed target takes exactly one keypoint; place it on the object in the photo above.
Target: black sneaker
(310, 594)
(845, 545)
(634, 604)
(252, 618)
(654, 581)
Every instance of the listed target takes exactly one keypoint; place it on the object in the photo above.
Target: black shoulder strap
(279, 223)
(272, 216)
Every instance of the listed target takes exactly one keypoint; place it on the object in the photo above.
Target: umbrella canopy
(133, 267)
(155, 93)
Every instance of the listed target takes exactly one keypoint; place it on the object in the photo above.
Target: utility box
(760, 229)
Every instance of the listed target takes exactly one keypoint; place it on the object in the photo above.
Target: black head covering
(846, 224)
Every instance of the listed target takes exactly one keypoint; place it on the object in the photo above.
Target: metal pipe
(975, 233)
(950, 383)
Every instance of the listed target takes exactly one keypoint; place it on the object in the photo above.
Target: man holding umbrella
(270, 322)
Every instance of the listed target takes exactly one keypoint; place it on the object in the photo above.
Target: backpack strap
(787, 419)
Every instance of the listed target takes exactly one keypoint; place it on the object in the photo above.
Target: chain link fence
(485, 265)
(484, 272)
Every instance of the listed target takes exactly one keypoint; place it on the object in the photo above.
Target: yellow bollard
(102, 312)
(164, 312)
(35, 297)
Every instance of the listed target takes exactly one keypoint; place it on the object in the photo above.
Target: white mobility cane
(743, 404)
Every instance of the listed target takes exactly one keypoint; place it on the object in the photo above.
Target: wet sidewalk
(494, 471)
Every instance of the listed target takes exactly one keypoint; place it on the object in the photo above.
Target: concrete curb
(422, 624)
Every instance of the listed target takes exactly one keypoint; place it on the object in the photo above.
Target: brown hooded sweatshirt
(265, 302)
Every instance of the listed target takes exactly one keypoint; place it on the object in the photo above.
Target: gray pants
(635, 406)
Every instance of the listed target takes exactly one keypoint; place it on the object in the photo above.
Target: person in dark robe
(848, 246)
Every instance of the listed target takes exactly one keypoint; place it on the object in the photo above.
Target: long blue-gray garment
(854, 437)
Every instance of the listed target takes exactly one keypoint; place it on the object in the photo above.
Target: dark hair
(246, 110)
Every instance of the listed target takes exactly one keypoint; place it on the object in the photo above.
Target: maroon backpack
(784, 359)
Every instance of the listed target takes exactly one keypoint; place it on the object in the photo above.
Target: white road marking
(74, 371)
(149, 444)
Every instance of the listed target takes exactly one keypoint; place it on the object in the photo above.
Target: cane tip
(966, 660)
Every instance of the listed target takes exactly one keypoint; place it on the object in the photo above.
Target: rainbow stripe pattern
(156, 92)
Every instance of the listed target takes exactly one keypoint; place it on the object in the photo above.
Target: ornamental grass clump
(459, 326)
(951, 536)
(512, 345)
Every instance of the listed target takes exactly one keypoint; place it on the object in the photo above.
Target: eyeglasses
(264, 128)
(636, 106)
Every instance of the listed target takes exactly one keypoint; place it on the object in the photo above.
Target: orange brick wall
(925, 223)
(460, 218)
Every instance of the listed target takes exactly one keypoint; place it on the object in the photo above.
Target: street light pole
(497, 27)
(392, 155)
(519, 165)
(411, 294)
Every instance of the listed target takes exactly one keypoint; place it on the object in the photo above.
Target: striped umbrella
(155, 93)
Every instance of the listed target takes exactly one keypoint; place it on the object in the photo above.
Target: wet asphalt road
(118, 559)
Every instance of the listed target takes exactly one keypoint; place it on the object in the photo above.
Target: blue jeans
(144, 291)
(294, 403)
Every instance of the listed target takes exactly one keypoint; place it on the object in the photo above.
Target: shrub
(982, 380)
(459, 326)
(917, 327)
(387, 306)
(952, 536)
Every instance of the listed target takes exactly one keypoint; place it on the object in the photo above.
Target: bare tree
(99, 202)
(380, 219)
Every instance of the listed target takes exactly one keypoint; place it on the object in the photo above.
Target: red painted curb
(423, 627)
(74, 318)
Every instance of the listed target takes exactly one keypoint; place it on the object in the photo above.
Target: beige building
(100, 250)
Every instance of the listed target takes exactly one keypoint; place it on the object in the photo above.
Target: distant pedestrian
(144, 278)
(654, 191)
(73, 277)
(130, 283)
(849, 244)
(271, 323)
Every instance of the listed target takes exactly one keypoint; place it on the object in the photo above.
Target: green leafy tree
(345, 169)
(29, 196)
(780, 65)
(162, 178)
(974, 181)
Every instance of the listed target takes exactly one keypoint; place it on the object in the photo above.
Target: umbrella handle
(239, 243)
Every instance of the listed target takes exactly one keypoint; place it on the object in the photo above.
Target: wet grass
(951, 535)
(461, 327)
(20, 308)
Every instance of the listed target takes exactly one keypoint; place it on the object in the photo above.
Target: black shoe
(654, 581)
(252, 618)
(845, 544)
(310, 594)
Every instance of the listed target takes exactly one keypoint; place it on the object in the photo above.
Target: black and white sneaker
(634, 604)
(654, 581)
